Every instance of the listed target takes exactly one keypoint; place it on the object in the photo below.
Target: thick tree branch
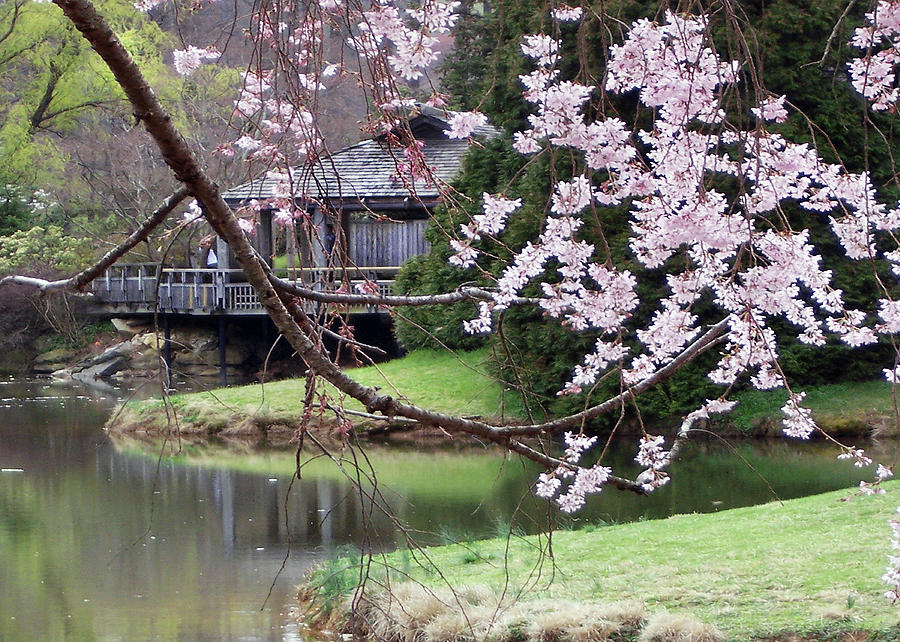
(698, 347)
(184, 165)
(80, 280)
(38, 116)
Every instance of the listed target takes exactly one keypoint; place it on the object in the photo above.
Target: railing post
(168, 290)
(219, 277)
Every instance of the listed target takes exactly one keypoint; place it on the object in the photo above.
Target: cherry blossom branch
(699, 346)
(186, 168)
(78, 281)
(674, 206)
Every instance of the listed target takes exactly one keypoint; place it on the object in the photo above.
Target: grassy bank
(851, 408)
(809, 567)
(451, 383)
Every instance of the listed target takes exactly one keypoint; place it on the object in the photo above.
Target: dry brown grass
(570, 621)
(678, 627)
(410, 612)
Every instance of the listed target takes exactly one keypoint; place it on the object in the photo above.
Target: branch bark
(40, 112)
(348, 298)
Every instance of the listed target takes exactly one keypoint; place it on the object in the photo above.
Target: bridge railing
(144, 287)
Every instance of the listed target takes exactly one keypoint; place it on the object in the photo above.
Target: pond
(105, 539)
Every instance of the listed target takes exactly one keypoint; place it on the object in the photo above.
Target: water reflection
(110, 539)
(97, 544)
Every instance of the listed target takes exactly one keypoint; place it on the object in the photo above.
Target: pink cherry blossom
(464, 254)
(189, 60)
(771, 109)
(873, 75)
(144, 5)
(798, 421)
(463, 124)
(542, 48)
(570, 197)
(565, 13)
(247, 226)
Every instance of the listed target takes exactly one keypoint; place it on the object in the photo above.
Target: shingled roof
(368, 170)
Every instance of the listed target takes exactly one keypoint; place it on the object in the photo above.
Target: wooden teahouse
(360, 204)
(366, 215)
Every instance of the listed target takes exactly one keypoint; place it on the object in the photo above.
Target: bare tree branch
(348, 298)
(352, 342)
(50, 115)
(80, 280)
(834, 33)
(17, 6)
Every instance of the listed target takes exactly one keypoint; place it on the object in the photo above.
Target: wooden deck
(133, 289)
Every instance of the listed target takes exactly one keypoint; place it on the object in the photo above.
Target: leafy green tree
(39, 246)
(16, 211)
(61, 110)
(50, 79)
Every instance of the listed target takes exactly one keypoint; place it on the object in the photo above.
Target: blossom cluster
(654, 460)
(676, 209)
(409, 35)
(582, 481)
(187, 61)
(278, 100)
(873, 74)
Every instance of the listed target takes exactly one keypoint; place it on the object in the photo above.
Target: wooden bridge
(144, 288)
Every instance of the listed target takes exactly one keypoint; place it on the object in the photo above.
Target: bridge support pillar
(167, 349)
(223, 364)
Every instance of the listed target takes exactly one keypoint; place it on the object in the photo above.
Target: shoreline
(462, 384)
(153, 417)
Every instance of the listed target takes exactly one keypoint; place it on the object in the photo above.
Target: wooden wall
(385, 243)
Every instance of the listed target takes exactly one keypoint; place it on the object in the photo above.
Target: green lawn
(808, 566)
(442, 381)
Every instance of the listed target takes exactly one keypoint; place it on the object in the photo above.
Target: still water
(103, 539)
